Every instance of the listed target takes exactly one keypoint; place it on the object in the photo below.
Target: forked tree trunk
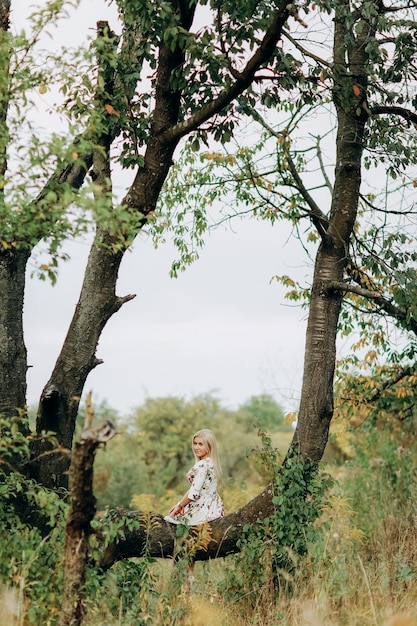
(316, 407)
(60, 398)
(98, 300)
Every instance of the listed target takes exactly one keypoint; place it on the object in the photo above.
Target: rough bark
(13, 357)
(316, 407)
(59, 402)
(78, 526)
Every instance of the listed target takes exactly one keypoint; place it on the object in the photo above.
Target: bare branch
(306, 52)
(322, 168)
(371, 205)
(318, 217)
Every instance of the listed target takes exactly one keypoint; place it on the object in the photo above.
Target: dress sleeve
(200, 475)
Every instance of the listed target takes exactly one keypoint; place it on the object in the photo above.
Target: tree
(202, 84)
(365, 271)
(262, 411)
(361, 276)
(193, 87)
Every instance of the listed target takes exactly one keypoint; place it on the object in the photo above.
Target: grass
(362, 572)
(352, 579)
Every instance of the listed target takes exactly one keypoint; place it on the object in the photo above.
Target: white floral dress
(206, 503)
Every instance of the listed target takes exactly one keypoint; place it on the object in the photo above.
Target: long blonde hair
(210, 444)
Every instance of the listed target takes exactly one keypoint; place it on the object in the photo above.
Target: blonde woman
(201, 503)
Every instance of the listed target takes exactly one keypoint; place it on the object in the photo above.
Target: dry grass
(363, 575)
(10, 609)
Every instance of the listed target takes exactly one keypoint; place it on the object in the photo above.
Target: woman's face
(199, 448)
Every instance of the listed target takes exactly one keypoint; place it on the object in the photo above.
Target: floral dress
(206, 503)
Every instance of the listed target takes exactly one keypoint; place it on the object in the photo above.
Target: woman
(201, 503)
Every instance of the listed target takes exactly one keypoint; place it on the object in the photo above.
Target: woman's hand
(177, 509)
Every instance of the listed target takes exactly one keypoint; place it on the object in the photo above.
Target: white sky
(221, 327)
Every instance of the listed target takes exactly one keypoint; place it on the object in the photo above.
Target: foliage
(155, 445)
(34, 564)
(363, 539)
(262, 411)
(272, 548)
(386, 467)
(34, 156)
(106, 94)
(279, 167)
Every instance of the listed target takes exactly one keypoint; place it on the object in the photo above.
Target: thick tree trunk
(61, 396)
(13, 363)
(316, 407)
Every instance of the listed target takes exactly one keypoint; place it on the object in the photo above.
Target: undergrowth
(336, 552)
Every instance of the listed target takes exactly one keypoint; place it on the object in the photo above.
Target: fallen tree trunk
(153, 536)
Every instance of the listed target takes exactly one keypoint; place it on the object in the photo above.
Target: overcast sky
(221, 327)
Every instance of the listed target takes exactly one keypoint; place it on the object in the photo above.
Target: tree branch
(243, 78)
(306, 52)
(318, 218)
(322, 167)
(383, 303)
(346, 287)
(406, 114)
(73, 172)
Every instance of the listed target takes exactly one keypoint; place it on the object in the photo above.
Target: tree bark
(13, 356)
(78, 526)
(316, 407)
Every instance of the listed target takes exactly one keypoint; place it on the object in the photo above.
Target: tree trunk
(13, 357)
(61, 396)
(316, 406)
(78, 527)
(13, 363)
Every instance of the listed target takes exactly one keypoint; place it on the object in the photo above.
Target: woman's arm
(180, 506)
(194, 490)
